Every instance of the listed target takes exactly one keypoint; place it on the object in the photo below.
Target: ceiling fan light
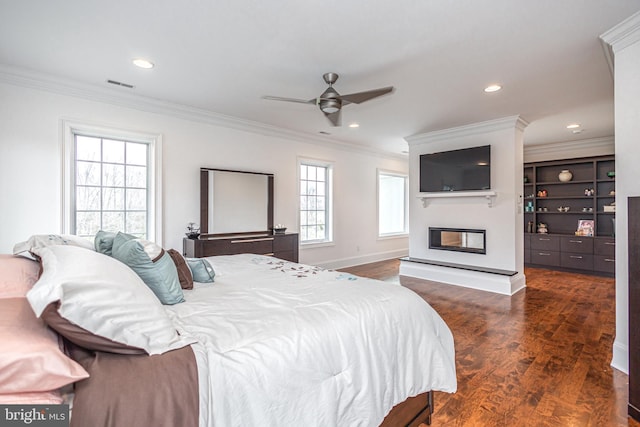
(330, 106)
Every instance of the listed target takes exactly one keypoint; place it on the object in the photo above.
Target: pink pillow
(18, 275)
(39, 398)
(31, 359)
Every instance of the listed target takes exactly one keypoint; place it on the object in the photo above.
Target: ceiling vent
(117, 83)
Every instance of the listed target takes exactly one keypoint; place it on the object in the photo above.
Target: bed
(265, 343)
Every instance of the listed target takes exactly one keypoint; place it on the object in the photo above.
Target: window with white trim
(111, 183)
(315, 202)
(392, 204)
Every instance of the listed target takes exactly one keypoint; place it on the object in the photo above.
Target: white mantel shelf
(488, 195)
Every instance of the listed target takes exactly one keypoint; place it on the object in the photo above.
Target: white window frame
(328, 240)
(154, 191)
(405, 232)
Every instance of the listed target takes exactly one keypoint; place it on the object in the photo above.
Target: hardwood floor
(539, 358)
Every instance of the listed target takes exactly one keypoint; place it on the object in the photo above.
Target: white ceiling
(222, 56)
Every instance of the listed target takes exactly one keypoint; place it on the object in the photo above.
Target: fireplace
(458, 240)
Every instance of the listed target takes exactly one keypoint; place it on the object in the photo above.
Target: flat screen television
(468, 169)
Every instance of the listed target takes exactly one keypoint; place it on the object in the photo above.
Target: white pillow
(105, 297)
(42, 240)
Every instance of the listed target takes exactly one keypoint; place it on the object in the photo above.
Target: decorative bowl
(278, 229)
(192, 235)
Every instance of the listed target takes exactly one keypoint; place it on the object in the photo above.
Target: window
(110, 183)
(392, 204)
(315, 202)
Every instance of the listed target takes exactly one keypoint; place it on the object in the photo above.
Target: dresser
(283, 246)
(572, 253)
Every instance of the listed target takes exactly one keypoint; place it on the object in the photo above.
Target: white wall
(30, 170)
(503, 221)
(625, 40)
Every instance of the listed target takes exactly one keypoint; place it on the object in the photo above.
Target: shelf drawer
(285, 242)
(287, 256)
(263, 246)
(605, 264)
(605, 246)
(579, 261)
(576, 244)
(204, 248)
(545, 242)
(260, 245)
(542, 257)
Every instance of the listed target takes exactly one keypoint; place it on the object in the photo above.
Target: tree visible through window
(111, 186)
(315, 203)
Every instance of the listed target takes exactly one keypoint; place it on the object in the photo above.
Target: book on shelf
(585, 227)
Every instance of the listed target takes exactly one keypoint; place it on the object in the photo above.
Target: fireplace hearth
(458, 240)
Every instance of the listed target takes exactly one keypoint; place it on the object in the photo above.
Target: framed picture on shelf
(585, 227)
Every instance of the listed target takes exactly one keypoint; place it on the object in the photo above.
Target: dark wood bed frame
(413, 412)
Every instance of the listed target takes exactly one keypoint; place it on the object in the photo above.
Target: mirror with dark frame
(235, 202)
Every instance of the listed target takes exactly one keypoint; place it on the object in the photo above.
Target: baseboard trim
(620, 359)
(363, 259)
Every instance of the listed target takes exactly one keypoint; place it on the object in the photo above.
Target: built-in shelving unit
(560, 205)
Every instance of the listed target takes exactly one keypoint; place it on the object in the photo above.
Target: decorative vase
(565, 176)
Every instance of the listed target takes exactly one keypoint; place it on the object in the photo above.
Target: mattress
(285, 344)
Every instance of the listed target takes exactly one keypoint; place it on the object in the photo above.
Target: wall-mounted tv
(468, 169)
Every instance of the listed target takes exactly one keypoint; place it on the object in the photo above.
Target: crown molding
(608, 56)
(619, 37)
(570, 149)
(511, 122)
(624, 34)
(62, 86)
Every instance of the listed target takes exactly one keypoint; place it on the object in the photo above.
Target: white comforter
(283, 344)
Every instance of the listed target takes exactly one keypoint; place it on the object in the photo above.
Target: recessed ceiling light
(492, 88)
(142, 63)
(573, 126)
(354, 125)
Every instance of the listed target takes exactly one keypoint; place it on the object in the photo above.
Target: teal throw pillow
(201, 270)
(103, 241)
(152, 263)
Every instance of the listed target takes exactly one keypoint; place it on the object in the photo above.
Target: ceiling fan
(331, 102)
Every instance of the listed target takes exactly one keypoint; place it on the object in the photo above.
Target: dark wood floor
(539, 358)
